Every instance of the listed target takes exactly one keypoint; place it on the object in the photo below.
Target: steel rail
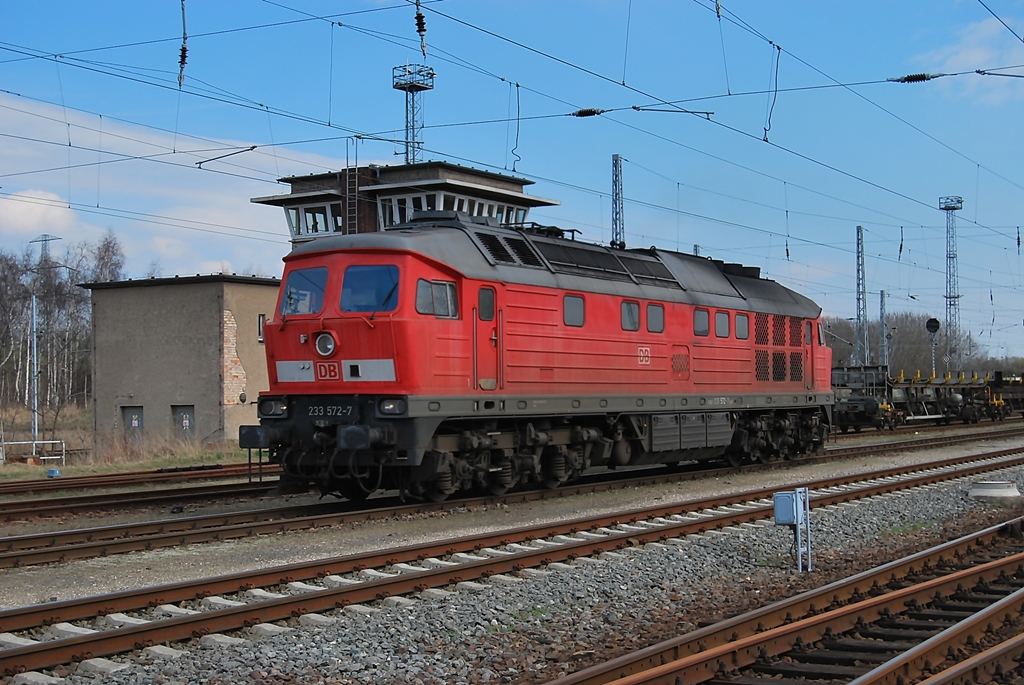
(746, 650)
(85, 543)
(985, 667)
(966, 634)
(11, 510)
(64, 505)
(112, 641)
(126, 478)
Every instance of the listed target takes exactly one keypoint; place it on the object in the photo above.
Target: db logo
(328, 371)
(643, 355)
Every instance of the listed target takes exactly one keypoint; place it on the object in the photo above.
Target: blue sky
(93, 86)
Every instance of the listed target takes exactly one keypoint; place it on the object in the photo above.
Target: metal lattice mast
(618, 223)
(883, 332)
(413, 79)
(44, 258)
(862, 303)
(950, 205)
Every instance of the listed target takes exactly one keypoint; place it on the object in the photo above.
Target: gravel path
(539, 629)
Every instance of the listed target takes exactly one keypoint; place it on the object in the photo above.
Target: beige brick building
(179, 358)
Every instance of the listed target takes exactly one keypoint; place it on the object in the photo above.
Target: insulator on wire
(914, 78)
(421, 24)
(588, 112)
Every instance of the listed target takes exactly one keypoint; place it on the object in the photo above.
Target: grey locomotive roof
(471, 248)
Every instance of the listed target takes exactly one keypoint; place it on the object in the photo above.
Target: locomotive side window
(821, 335)
(742, 327)
(701, 322)
(370, 289)
(304, 291)
(631, 316)
(439, 298)
(807, 337)
(486, 302)
(572, 313)
(655, 318)
(721, 324)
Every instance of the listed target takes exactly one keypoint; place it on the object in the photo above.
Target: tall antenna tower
(954, 355)
(862, 303)
(413, 79)
(618, 224)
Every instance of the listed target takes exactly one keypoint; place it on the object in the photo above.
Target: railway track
(84, 543)
(899, 623)
(18, 509)
(136, 478)
(924, 428)
(123, 621)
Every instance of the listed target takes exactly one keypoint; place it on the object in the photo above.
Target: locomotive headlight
(325, 344)
(392, 406)
(272, 407)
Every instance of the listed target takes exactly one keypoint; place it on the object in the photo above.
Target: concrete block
(407, 568)
(257, 593)
(516, 547)
(70, 630)
(534, 573)
(300, 587)
(11, 641)
(398, 602)
(677, 542)
(374, 574)
(587, 535)
(172, 611)
(470, 586)
(435, 593)
(163, 653)
(731, 529)
(588, 561)
(118, 620)
(655, 545)
(607, 531)
(338, 581)
(748, 525)
(566, 540)
(215, 640)
(501, 579)
(433, 562)
(545, 543)
(716, 534)
(316, 620)
(559, 566)
(360, 610)
(35, 678)
(269, 630)
(463, 558)
(491, 552)
(100, 666)
(215, 602)
(611, 556)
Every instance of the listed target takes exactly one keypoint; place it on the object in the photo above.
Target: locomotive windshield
(370, 289)
(304, 291)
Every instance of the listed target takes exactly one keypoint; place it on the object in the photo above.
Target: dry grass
(114, 451)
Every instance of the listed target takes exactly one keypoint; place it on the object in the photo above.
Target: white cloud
(164, 209)
(981, 45)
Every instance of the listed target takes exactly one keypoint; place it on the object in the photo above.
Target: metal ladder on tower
(352, 189)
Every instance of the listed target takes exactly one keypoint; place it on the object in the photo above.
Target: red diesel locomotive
(451, 353)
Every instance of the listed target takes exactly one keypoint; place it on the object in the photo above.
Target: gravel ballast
(546, 626)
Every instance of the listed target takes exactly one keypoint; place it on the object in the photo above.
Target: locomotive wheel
(735, 459)
(351, 490)
(437, 495)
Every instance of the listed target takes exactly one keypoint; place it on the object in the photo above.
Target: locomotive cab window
(701, 322)
(439, 298)
(486, 302)
(742, 327)
(655, 318)
(821, 335)
(369, 288)
(808, 339)
(572, 311)
(721, 324)
(631, 316)
(304, 291)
